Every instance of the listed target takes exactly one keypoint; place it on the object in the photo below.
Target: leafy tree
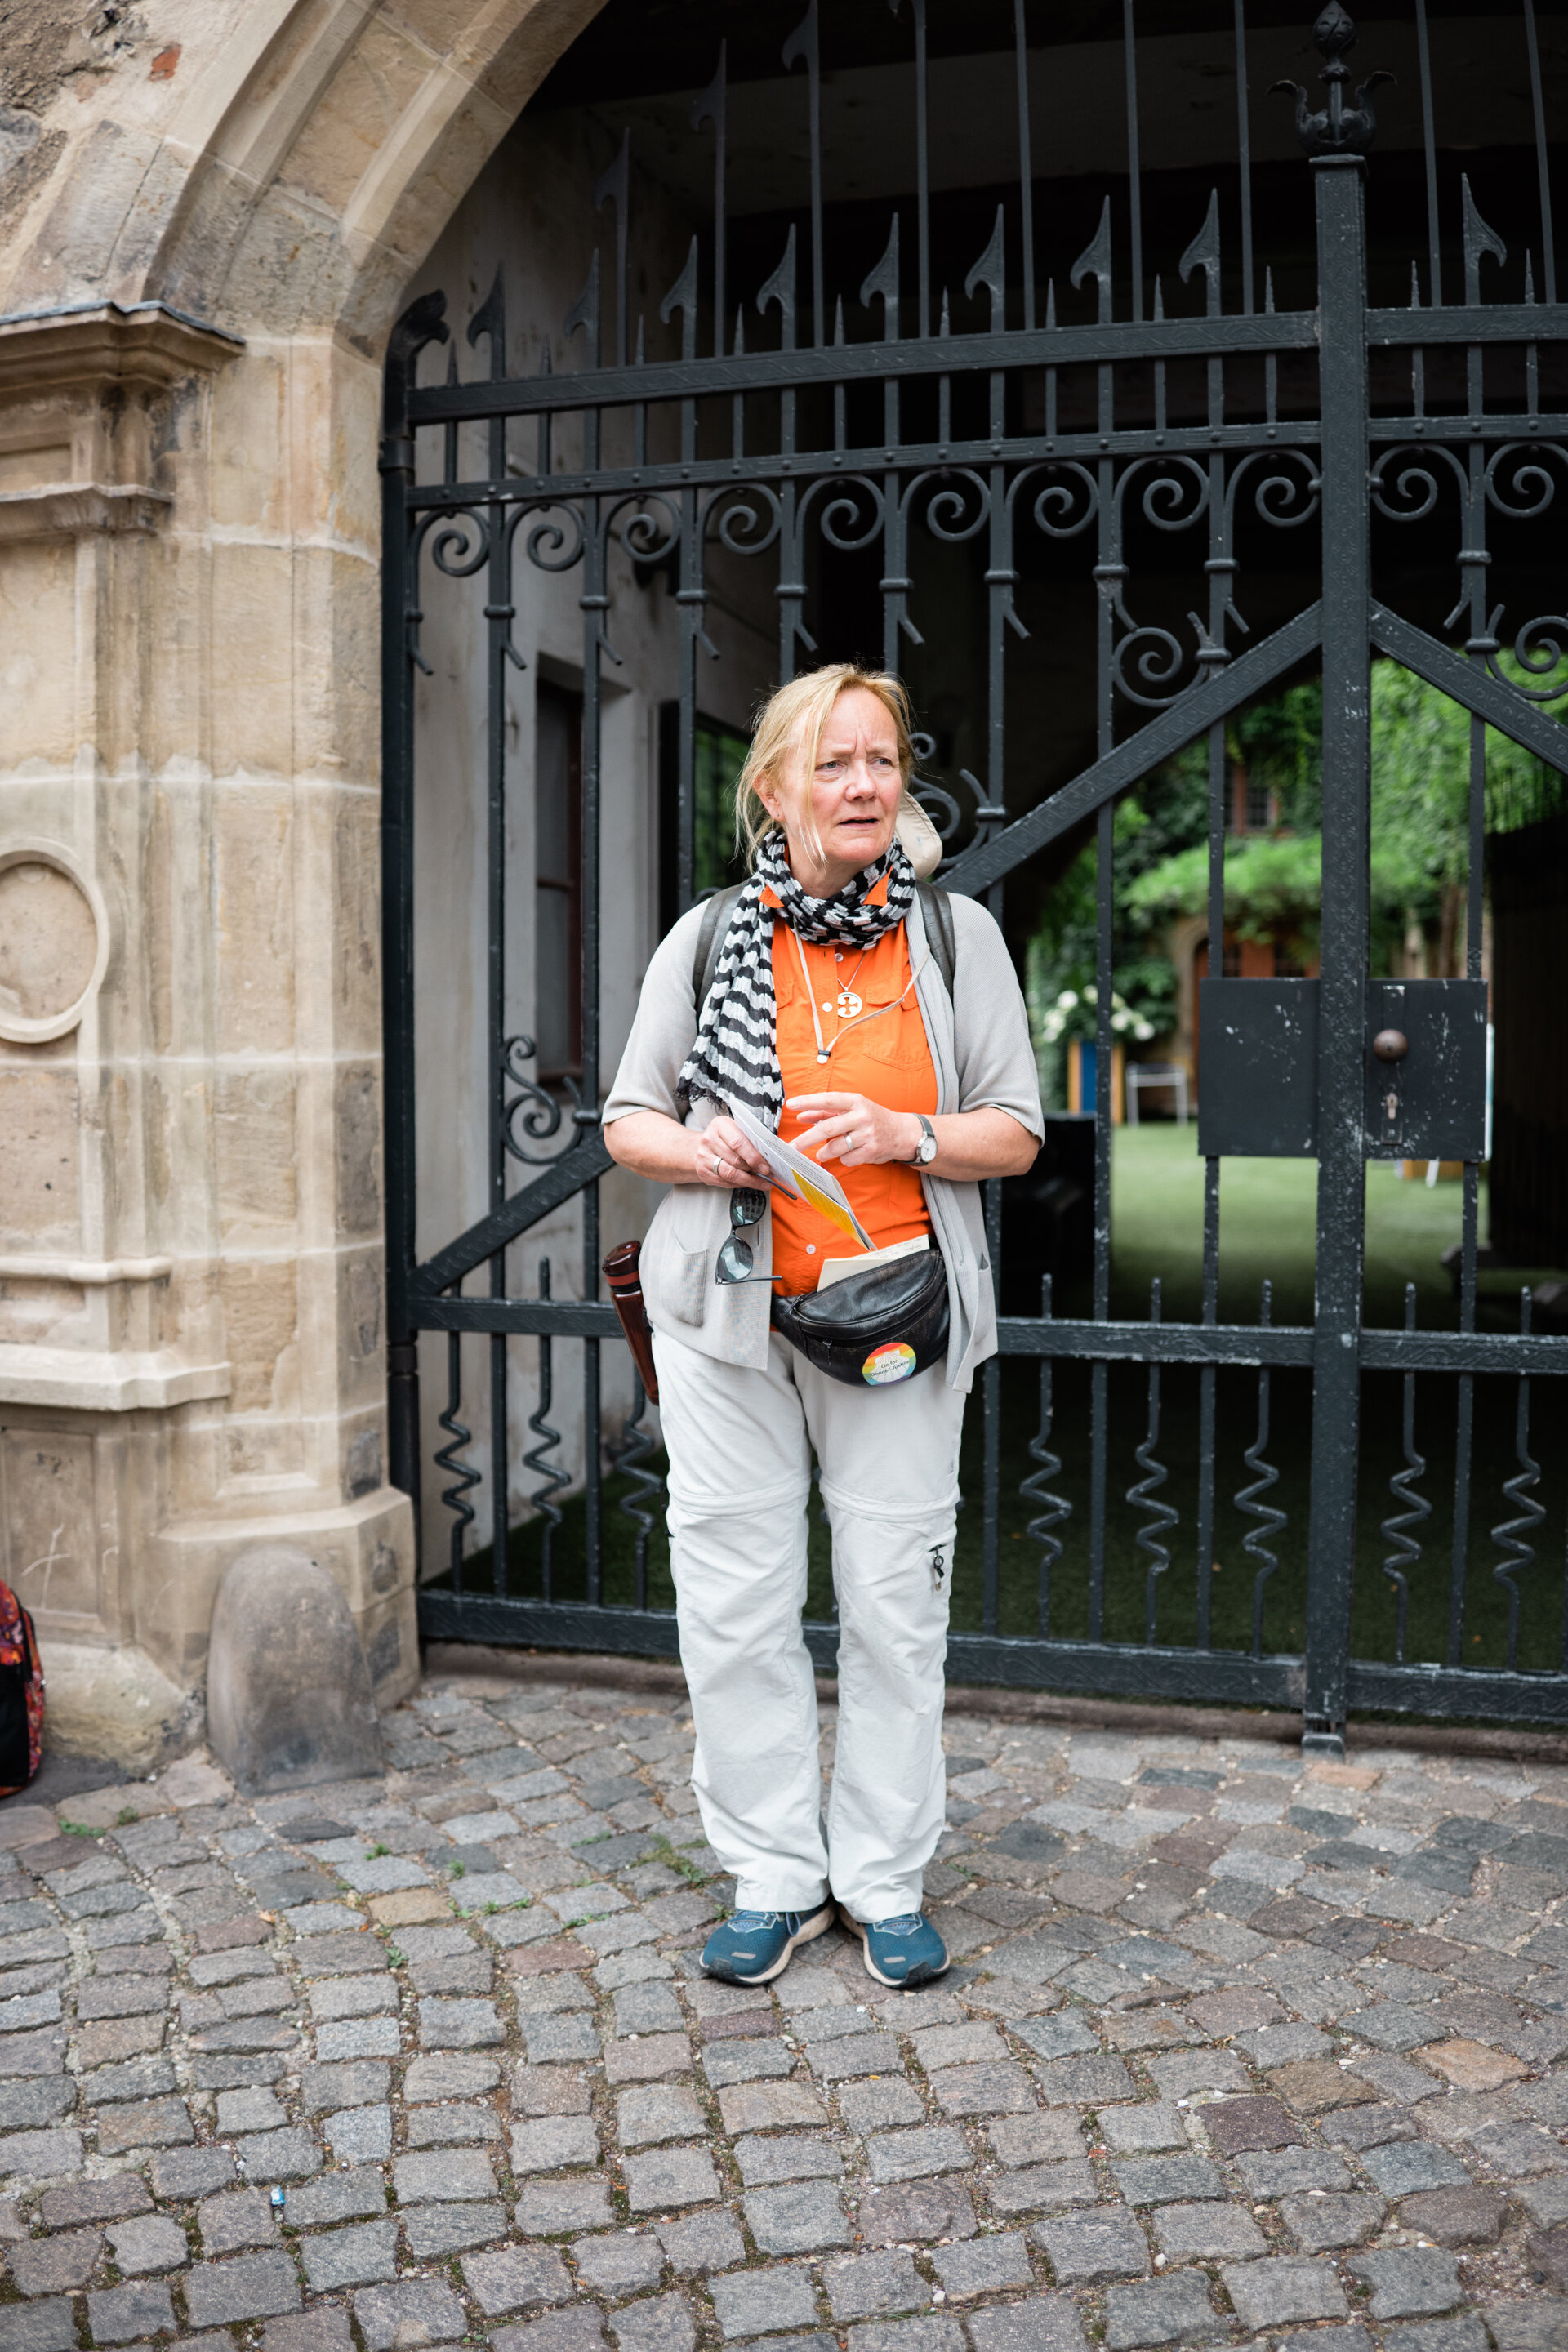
(1169, 812)
(1420, 808)
(1420, 821)
(1279, 742)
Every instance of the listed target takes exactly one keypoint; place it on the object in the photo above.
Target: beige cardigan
(980, 1046)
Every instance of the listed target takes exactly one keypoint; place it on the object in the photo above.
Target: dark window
(558, 883)
(719, 754)
(1252, 807)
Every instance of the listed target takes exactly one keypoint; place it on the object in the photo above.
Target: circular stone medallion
(53, 945)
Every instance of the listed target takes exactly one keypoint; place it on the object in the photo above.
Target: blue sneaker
(753, 1946)
(903, 1952)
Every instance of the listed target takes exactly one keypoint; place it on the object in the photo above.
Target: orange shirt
(886, 1060)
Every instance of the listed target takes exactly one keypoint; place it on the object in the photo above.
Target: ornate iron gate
(979, 445)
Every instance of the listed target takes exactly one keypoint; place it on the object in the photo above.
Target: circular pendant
(822, 1057)
(849, 1004)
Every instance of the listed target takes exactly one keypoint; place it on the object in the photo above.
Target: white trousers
(739, 1446)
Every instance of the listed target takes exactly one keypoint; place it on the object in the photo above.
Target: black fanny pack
(872, 1329)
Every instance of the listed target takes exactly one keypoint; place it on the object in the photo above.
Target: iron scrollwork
(935, 799)
(1036, 1487)
(1416, 470)
(651, 533)
(642, 1503)
(1278, 493)
(1511, 1537)
(1519, 481)
(462, 1474)
(1268, 1515)
(745, 519)
(460, 543)
(543, 1113)
(552, 1476)
(554, 542)
(1159, 1516)
(1068, 502)
(1415, 1509)
(1541, 649)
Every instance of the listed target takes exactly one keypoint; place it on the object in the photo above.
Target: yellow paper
(843, 1217)
(794, 1174)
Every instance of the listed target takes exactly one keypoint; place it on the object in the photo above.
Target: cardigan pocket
(677, 1275)
(688, 1290)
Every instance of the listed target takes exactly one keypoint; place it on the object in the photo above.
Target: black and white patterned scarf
(735, 1057)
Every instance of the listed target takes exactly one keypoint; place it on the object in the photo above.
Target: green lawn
(1266, 1232)
(1266, 1223)
(1267, 1210)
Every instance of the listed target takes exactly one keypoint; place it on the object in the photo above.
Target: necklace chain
(824, 1050)
(849, 1004)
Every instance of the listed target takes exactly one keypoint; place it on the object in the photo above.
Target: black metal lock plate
(1258, 1069)
(1432, 1104)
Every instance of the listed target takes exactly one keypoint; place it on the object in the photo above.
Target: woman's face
(852, 794)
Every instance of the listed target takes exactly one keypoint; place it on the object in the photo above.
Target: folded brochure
(794, 1174)
(838, 1269)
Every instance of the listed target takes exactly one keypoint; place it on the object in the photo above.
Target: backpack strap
(710, 934)
(936, 910)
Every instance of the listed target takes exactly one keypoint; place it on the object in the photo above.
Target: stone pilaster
(191, 1345)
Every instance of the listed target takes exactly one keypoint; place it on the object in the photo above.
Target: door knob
(1391, 1044)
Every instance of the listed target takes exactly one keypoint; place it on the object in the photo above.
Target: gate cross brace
(569, 1174)
(1473, 685)
(1186, 718)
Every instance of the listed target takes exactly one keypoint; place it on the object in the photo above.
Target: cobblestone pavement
(1234, 2050)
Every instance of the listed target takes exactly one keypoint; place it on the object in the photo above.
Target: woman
(828, 1020)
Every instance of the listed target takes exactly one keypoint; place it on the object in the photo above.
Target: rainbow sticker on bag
(895, 1361)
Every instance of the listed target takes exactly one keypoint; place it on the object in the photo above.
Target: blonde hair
(793, 719)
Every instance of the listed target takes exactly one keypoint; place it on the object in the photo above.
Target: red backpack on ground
(21, 1696)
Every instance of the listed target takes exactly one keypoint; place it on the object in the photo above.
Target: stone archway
(206, 239)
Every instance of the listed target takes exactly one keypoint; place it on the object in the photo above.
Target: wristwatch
(925, 1151)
